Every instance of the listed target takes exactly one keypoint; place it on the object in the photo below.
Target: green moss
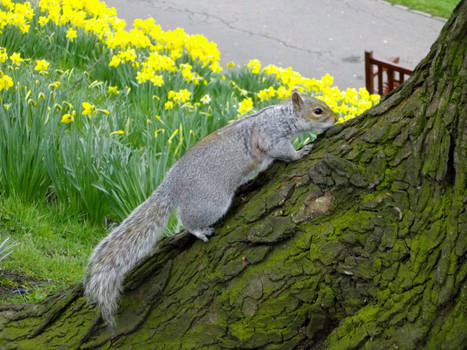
(327, 253)
(270, 229)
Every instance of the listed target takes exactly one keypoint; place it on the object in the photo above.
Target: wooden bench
(389, 74)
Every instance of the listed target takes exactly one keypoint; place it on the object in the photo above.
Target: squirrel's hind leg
(203, 234)
(199, 216)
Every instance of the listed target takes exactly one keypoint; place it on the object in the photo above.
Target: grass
(440, 8)
(51, 252)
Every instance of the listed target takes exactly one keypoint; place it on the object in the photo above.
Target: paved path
(314, 37)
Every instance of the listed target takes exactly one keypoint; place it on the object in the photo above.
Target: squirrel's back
(222, 160)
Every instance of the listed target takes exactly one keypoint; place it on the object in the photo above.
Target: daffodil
(157, 80)
(54, 85)
(254, 66)
(67, 118)
(88, 109)
(245, 106)
(282, 93)
(113, 90)
(171, 94)
(3, 55)
(158, 131)
(127, 55)
(43, 20)
(71, 34)
(143, 76)
(179, 96)
(16, 59)
(267, 94)
(182, 96)
(272, 69)
(102, 110)
(327, 80)
(5, 82)
(158, 117)
(24, 28)
(115, 61)
(169, 105)
(364, 94)
(187, 72)
(41, 66)
(169, 141)
(375, 98)
(205, 99)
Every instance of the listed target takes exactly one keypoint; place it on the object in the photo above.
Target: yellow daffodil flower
(71, 34)
(67, 118)
(88, 109)
(254, 66)
(54, 85)
(113, 90)
(169, 105)
(245, 106)
(5, 82)
(267, 94)
(3, 55)
(41, 66)
(16, 59)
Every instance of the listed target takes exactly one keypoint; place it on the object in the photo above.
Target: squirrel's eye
(318, 111)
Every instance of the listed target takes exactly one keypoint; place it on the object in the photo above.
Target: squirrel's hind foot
(203, 233)
(305, 150)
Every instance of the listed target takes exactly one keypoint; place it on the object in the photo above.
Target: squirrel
(200, 186)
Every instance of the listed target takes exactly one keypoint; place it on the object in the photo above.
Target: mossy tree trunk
(361, 245)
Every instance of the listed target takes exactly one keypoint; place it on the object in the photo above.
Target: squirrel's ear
(297, 101)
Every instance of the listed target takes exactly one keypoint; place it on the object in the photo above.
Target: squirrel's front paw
(305, 150)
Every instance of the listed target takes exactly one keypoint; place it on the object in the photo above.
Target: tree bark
(360, 246)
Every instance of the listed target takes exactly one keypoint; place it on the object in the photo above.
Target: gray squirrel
(200, 186)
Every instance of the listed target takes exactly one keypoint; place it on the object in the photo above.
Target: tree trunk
(361, 245)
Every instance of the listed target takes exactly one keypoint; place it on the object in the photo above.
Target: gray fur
(201, 185)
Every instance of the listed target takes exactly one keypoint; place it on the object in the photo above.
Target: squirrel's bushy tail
(122, 249)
